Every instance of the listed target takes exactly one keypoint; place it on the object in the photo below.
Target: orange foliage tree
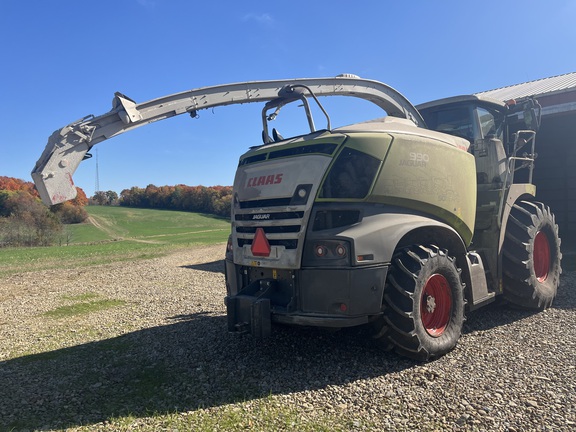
(14, 184)
(25, 221)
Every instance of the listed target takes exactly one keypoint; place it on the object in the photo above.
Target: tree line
(214, 200)
(25, 221)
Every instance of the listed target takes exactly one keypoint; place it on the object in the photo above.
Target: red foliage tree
(14, 184)
(81, 199)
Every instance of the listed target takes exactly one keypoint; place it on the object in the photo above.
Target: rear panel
(274, 189)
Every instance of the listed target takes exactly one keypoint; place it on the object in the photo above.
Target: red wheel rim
(436, 305)
(541, 256)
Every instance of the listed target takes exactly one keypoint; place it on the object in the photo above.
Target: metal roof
(533, 88)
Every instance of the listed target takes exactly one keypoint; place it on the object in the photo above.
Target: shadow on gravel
(194, 362)
(500, 313)
(214, 266)
(191, 363)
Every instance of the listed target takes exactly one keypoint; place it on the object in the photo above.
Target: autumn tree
(99, 198)
(104, 198)
(212, 200)
(111, 197)
(14, 184)
(25, 221)
(81, 199)
(68, 213)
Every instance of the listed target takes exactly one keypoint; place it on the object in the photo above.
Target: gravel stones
(167, 350)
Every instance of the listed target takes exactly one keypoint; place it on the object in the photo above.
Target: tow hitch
(249, 310)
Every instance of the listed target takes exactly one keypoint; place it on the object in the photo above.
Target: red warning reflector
(260, 245)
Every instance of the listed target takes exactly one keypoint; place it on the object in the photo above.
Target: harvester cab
(496, 131)
(516, 237)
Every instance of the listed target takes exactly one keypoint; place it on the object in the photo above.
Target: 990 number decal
(416, 159)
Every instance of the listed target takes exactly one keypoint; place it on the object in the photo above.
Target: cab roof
(391, 124)
(477, 99)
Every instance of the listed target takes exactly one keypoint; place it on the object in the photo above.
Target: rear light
(320, 251)
(330, 250)
(327, 252)
(340, 251)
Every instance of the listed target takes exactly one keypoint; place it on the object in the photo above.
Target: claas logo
(264, 180)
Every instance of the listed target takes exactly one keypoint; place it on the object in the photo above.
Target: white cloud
(263, 18)
(148, 4)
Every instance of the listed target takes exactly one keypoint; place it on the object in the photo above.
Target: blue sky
(62, 60)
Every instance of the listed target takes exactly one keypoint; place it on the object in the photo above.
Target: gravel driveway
(159, 344)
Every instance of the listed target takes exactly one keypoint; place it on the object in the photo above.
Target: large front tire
(531, 257)
(423, 303)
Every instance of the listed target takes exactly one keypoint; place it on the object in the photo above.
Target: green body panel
(374, 144)
(312, 139)
(422, 174)
(429, 176)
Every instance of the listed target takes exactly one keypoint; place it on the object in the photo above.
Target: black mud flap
(249, 310)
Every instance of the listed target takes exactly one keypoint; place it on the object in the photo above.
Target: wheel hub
(436, 305)
(542, 256)
(430, 304)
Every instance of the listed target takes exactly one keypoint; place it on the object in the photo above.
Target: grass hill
(118, 234)
(163, 227)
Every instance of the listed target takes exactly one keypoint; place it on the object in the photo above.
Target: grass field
(118, 234)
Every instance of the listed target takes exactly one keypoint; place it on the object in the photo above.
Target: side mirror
(532, 119)
(532, 112)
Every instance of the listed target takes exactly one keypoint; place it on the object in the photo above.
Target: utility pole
(97, 187)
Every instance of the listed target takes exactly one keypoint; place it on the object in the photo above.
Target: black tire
(423, 303)
(531, 257)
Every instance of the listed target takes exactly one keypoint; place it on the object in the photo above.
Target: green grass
(120, 234)
(86, 233)
(264, 415)
(144, 225)
(83, 308)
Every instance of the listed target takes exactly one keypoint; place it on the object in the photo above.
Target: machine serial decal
(265, 180)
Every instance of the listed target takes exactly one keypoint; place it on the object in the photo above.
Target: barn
(555, 169)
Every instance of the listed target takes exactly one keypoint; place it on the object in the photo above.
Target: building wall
(555, 172)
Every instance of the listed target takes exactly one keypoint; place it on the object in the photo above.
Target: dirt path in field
(104, 226)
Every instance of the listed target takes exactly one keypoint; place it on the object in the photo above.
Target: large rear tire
(531, 257)
(423, 303)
